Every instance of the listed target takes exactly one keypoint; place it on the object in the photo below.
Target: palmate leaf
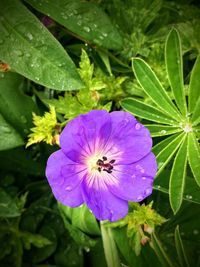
(82, 18)
(194, 156)
(181, 127)
(159, 129)
(182, 257)
(165, 152)
(177, 178)
(191, 192)
(146, 111)
(153, 88)
(194, 86)
(174, 65)
(31, 50)
(194, 94)
(160, 252)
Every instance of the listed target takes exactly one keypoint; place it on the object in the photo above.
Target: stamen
(105, 166)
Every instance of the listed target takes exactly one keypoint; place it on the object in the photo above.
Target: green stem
(110, 249)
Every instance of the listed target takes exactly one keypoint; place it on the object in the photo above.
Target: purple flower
(105, 160)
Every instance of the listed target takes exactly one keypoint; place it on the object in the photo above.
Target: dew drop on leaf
(30, 36)
(87, 29)
(163, 132)
(5, 129)
(23, 119)
(18, 53)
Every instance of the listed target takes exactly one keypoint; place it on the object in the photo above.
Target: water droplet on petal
(139, 168)
(144, 178)
(148, 191)
(139, 198)
(137, 126)
(68, 188)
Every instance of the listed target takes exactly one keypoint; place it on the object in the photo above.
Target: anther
(99, 162)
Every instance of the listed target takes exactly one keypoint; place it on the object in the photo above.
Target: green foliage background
(59, 59)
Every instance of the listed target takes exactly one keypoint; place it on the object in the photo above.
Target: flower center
(99, 163)
(104, 165)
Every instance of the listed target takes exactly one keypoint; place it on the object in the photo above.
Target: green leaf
(110, 249)
(196, 113)
(162, 130)
(82, 218)
(46, 250)
(85, 19)
(177, 178)
(35, 239)
(8, 206)
(191, 192)
(10, 138)
(194, 86)
(182, 257)
(164, 152)
(15, 106)
(79, 237)
(29, 48)
(85, 220)
(120, 237)
(153, 88)
(160, 252)
(21, 161)
(174, 64)
(161, 145)
(105, 58)
(146, 111)
(194, 156)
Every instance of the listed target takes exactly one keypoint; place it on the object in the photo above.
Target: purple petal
(65, 177)
(83, 135)
(125, 124)
(133, 182)
(103, 203)
(129, 141)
